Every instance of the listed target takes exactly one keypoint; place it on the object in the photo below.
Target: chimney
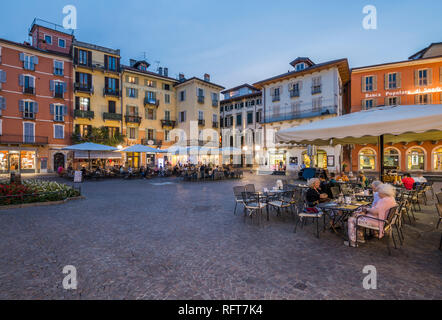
(181, 77)
(160, 71)
(132, 62)
(207, 77)
(166, 72)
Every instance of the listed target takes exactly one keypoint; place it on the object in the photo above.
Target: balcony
(59, 95)
(301, 114)
(133, 119)
(276, 98)
(316, 89)
(29, 90)
(112, 116)
(111, 92)
(201, 122)
(19, 139)
(215, 103)
(150, 102)
(294, 93)
(168, 123)
(29, 115)
(214, 124)
(80, 87)
(85, 114)
(200, 99)
(153, 142)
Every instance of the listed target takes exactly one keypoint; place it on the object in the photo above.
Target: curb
(38, 204)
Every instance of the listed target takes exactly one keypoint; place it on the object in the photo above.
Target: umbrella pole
(89, 158)
(381, 157)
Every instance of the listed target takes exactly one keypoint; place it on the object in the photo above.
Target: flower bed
(35, 191)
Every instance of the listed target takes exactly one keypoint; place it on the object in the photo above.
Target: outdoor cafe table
(346, 209)
(267, 195)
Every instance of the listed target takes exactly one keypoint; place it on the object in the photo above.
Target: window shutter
(22, 56)
(363, 84)
(136, 93)
(127, 78)
(2, 103)
(118, 67)
(21, 105)
(36, 107)
(416, 77)
(35, 59)
(363, 104)
(127, 92)
(77, 103)
(2, 76)
(386, 81)
(106, 61)
(375, 83)
(399, 79)
(154, 114)
(21, 80)
(76, 55)
(89, 58)
(117, 84)
(430, 76)
(52, 108)
(32, 82)
(106, 83)
(52, 85)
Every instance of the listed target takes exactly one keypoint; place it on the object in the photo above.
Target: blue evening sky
(239, 41)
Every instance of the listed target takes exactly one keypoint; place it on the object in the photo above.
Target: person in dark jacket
(314, 194)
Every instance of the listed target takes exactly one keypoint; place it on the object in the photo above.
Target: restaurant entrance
(23, 161)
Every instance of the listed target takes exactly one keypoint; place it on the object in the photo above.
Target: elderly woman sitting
(379, 210)
(314, 194)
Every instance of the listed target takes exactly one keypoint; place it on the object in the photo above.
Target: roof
(341, 64)
(149, 73)
(246, 85)
(421, 53)
(29, 47)
(245, 96)
(50, 26)
(91, 46)
(395, 62)
(198, 79)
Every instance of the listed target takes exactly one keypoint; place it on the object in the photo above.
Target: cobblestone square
(169, 239)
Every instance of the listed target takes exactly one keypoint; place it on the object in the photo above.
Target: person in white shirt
(420, 178)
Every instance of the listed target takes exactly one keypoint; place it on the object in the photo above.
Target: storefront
(437, 159)
(277, 160)
(23, 161)
(416, 159)
(319, 159)
(133, 159)
(367, 159)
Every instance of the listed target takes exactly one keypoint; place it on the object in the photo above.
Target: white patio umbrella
(379, 125)
(89, 146)
(142, 149)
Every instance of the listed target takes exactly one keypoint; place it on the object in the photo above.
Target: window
(391, 159)
(62, 43)
(58, 131)
(150, 134)
(58, 68)
(423, 77)
(317, 104)
(28, 132)
(132, 110)
(166, 115)
(59, 111)
(275, 94)
(151, 96)
(112, 106)
(83, 130)
(58, 88)
(83, 57)
(167, 98)
(215, 118)
(368, 84)
(132, 80)
(367, 159)
(48, 39)
(111, 63)
(316, 85)
(249, 117)
(82, 103)
(111, 85)
(295, 89)
(200, 115)
(132, 93)
(422, 99)
(200, 92)
(416, 159)
(167, 135)
(182, 95)
(150, 114)
(113, 131)
(83, 80)
(183, 116)
(214, 97)
(132, 133)
(166, 87)
(151, 83)
(239, 119)
(368, 104)
(392, 101)
(437, 159)
(28, 84)
(300, 66)
(258, 116)
(28, 108)
(392, 81)
(29, 62)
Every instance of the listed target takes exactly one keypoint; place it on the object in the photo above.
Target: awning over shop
(395, 123)
(98, 155)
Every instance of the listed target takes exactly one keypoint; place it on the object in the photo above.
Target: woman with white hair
(380, 210)
(374, 186)
(314, 194)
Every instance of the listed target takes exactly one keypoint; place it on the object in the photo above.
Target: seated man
(386, 201)
(408, 181)
(420, 179)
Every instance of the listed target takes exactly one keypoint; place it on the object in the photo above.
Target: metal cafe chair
(335, 192)
(439, 207)
(237, 192)
(253, 204)
(284, 201)
(250, 188)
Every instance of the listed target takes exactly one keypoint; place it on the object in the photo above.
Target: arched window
(437, 159)
(416, 159)
(367, 159)
(391, 159)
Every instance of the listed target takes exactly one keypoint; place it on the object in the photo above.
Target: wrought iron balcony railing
(80, 87)
(111, 92)
(151, 102)
(86, 114)
(112, 116)
(168, 123)
(133, 119)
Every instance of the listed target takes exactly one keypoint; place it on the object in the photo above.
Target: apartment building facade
(35, 100)
(309, 93)
(241, 113)
(415, 81)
